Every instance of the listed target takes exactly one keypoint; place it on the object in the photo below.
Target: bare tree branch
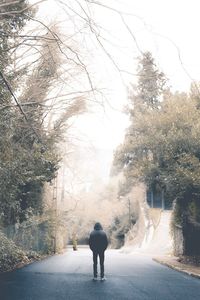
(11, 13)
(18, 104)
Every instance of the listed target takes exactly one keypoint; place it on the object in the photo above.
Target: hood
(98, 226)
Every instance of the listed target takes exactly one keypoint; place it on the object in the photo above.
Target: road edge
(173, 263)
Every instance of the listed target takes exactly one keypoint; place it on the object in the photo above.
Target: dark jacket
(98, 241)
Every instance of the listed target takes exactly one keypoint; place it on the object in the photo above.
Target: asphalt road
(69, 276)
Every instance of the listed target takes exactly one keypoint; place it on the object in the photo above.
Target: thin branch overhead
(18, 105)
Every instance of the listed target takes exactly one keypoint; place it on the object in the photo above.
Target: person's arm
(91, 242)
(105, 241)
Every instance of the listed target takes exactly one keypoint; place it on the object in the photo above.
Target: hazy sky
(169, 29)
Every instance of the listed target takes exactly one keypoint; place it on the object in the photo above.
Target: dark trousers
(101, 259)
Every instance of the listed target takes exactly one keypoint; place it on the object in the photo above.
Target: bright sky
(169, 29)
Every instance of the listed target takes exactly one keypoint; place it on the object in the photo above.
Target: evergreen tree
(150, 86)
(145, 97)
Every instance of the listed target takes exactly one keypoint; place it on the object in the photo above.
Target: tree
(165, 150)
(12, 20)
(150, 86)
(145, 98)
(162, 149)
(28, 146)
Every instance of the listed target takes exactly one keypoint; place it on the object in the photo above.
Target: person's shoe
(103, 278)
(95, 279)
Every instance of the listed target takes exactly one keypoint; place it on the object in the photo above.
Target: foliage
(28, 156)
(145, 98)
(10, 254)
(162, 149)
(119, 228)
(150, 86)
(32, 74)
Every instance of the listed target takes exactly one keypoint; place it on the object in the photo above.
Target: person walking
(98, 243)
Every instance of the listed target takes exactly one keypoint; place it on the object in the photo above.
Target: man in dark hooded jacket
(98, 243)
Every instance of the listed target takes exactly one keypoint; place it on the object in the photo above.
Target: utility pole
(152, 204)
(63, 173)
(163, 199)
(63, 184)
(129, 212)
(55, 199)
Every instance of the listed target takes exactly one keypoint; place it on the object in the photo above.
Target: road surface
(69, 276)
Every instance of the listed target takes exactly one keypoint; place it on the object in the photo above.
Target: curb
(178, 268)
